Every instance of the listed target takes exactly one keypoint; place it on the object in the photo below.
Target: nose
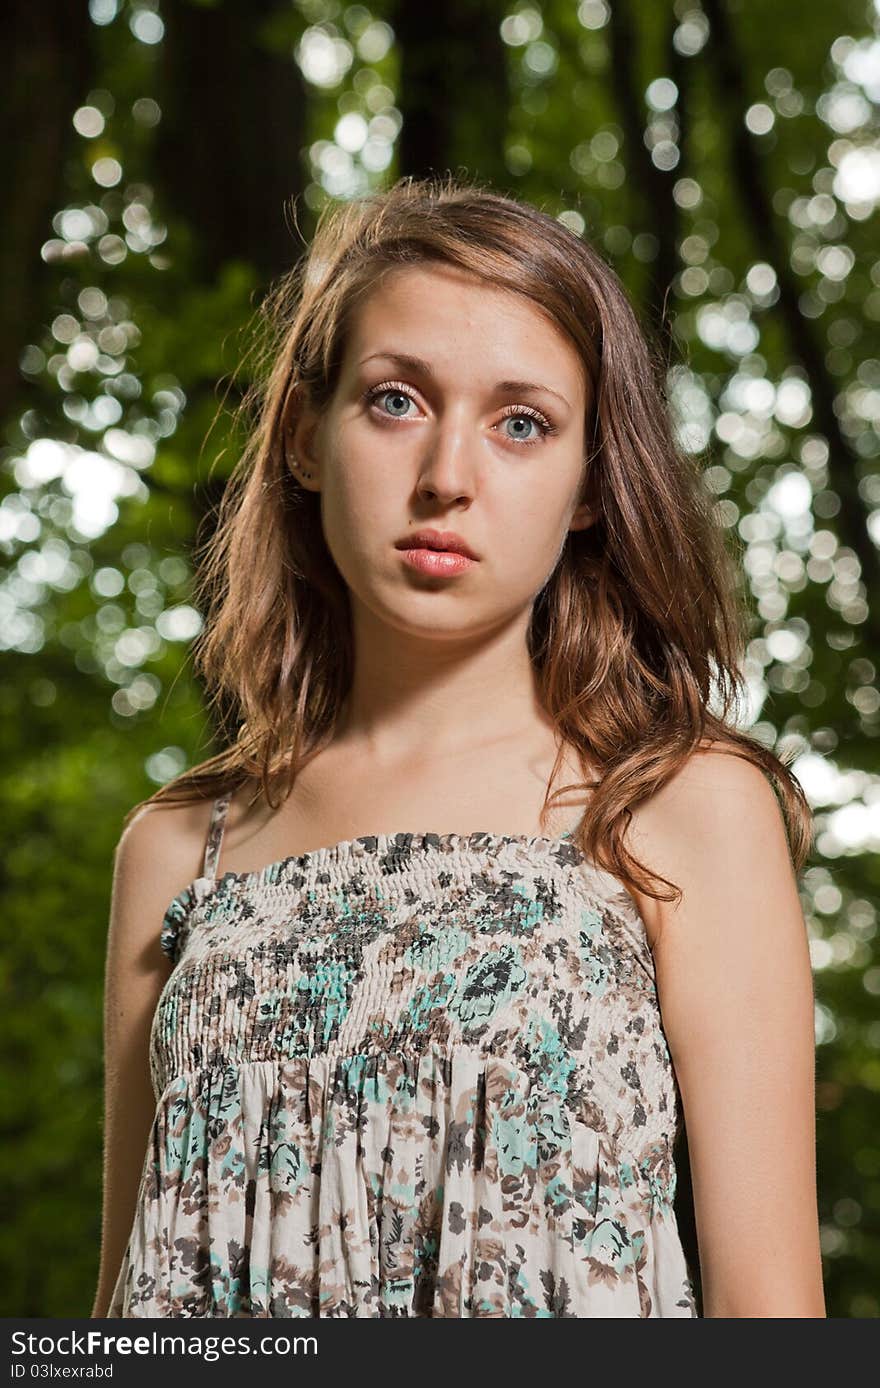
(447, 467)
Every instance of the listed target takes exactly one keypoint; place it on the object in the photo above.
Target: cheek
(523, 550)
(356, 523)
(358, 488)
(532, 531)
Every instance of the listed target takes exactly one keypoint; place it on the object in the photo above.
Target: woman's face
(450, 442)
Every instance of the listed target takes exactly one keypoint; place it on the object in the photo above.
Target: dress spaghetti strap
(216, 826)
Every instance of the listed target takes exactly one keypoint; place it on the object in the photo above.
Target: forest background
(166, 162)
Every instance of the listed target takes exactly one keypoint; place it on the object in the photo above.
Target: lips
(445, 540)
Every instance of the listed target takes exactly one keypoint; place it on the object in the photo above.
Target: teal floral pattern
(408, 1075)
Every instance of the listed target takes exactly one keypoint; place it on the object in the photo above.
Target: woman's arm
(736, 996)
(155, 858)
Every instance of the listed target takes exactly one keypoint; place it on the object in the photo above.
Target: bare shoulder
(169, 835)
(719, 812)
(159, 852)
(735, 992)
(714, 780)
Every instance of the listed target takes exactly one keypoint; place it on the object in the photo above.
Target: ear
(588, 508)
(586, 512)
(302, 452)
(583, 517)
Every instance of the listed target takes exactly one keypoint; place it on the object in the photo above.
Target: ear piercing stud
(294, 460)
(303, 471)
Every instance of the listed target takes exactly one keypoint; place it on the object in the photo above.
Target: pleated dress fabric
(408, 1075)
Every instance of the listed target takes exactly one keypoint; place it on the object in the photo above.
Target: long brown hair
(636, 639)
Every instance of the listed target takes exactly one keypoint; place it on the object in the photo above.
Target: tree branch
(842, 460)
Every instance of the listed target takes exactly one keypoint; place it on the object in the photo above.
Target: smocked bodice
(419, 1074)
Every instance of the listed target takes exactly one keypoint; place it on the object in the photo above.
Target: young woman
(487, 895)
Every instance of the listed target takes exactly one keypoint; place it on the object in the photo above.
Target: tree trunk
(453, 89)
(658, 209)
(844, 465)
(228, 148)
(49, 64)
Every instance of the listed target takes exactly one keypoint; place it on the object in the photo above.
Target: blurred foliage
(725, 158)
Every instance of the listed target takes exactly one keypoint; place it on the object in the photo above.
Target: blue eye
(522, 419)
(533, 417)
(394, 394)
(399, 394)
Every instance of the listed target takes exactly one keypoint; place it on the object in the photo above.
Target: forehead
(466, 328)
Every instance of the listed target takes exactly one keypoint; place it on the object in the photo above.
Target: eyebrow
(411, 363)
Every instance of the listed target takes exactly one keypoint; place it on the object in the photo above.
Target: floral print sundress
(420, 1074)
